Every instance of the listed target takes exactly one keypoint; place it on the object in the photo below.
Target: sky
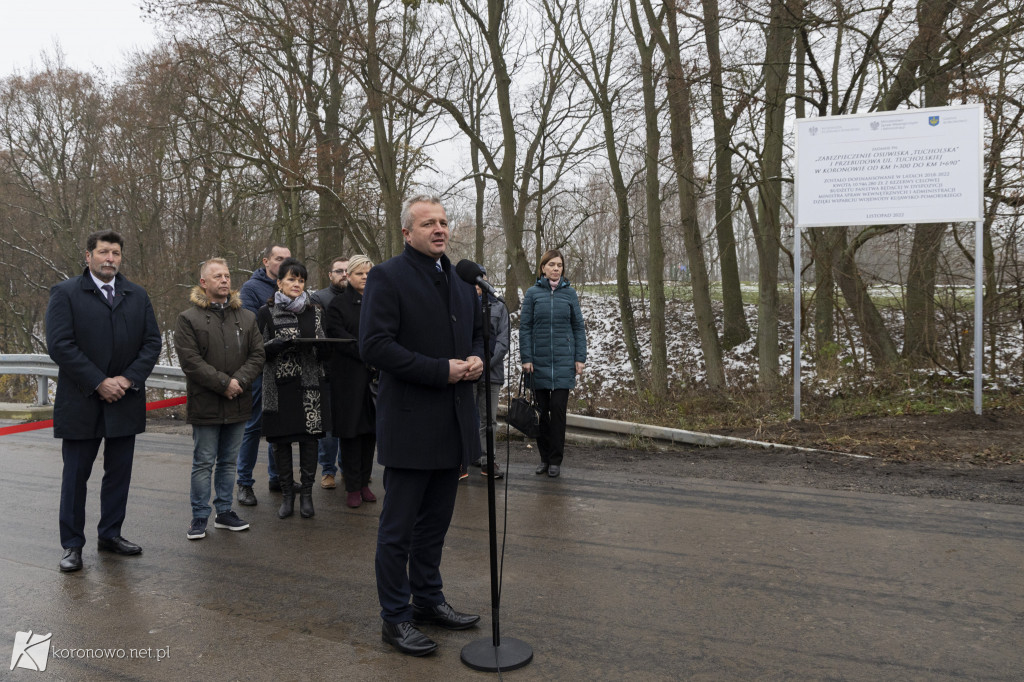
(92, 33)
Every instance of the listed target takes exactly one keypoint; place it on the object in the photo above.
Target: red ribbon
(47, 423)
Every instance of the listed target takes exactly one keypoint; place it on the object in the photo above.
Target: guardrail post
(42, 390)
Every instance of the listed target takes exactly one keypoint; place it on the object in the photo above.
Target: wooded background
(650, 141)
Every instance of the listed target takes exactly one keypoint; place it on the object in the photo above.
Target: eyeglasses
(340, 271)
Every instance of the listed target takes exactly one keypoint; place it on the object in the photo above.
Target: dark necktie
(109, 292)
(442, 283)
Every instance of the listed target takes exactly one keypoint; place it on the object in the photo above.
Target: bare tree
(538, 125)
(735, 329)
(647, 48)
(680, 106)
(590, 50)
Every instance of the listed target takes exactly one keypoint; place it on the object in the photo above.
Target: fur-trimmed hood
(199, 299)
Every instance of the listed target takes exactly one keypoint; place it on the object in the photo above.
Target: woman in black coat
(295, 392)
(353, 415)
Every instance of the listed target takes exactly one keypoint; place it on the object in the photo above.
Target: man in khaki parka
(221, 352)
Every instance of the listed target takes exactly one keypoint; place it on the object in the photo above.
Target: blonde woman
(354, 413)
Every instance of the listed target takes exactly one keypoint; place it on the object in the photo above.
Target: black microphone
(468, 271)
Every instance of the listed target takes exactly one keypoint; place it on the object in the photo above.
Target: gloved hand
(276, 346)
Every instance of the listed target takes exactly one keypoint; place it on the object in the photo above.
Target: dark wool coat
(415, 319)
(324, 296)
(215, 346)
(296, 397)
(91, 341)
(352, 410)
(551, 334)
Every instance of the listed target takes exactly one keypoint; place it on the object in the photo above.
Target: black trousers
(551, 441)
(282, 453)
(414, 520)
(79, 456)
(357, 460)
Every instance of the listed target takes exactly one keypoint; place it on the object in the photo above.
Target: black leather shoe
(407, 639)
(118, 545)
(72, 560)
(553, 471)
(542, 469)
(246, 497)
(444, 615)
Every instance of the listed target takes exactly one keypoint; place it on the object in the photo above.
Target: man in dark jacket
(338, 276)
(102, 333)
(499, 350)
(328, 449)
(255, 293)
(221, 352)
(421, 327)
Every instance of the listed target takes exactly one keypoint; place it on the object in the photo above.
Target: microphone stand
(493, 654)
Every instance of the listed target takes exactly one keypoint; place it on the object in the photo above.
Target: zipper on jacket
(551, 333)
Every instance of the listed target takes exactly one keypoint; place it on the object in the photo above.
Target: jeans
(214, 444)
(250, 449)
(328, 455)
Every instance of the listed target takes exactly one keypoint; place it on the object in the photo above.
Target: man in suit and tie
(421, 327)
(102, 333)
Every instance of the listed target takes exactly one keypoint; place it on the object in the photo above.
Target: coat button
(453, 318)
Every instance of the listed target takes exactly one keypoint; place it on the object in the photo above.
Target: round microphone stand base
(509, 655)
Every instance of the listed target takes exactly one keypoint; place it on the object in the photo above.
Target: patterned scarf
(294, 362)
(292, 305)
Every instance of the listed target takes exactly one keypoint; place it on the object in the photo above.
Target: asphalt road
(606, 577)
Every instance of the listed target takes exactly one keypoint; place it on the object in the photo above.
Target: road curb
(594, 429)
(23, 413)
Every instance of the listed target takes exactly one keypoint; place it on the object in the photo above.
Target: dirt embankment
(956, 437)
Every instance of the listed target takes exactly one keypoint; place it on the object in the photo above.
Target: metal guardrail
(43, 369)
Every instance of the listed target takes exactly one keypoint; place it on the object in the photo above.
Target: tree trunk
(735, 329)
(622, 257)
(519, 275)
(876, 336)
(919, 338)
(824, 243)
(385, 158)
(682, 154)
(652, 185)
(767, 229)
(480, 187)
(919, 341)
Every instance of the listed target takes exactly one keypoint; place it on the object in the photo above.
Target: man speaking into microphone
(420, 325)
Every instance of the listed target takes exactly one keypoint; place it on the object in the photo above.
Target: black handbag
(522, 411)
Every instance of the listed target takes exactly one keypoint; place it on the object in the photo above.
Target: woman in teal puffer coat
(553, 350)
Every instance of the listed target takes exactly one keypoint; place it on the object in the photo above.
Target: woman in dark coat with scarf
(354, 415)
(553, 350)
(296, 396)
